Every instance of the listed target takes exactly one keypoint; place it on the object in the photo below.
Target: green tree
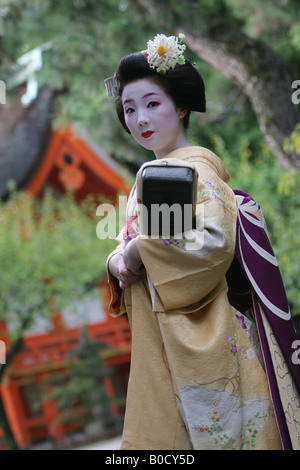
(49, 255)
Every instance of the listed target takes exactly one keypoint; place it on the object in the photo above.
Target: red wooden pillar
(16, 414)
(111, 394)
(55, 429)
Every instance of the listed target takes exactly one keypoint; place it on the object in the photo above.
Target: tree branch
(250, 64)
(261, 74)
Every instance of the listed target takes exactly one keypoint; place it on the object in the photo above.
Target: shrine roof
(26, 137)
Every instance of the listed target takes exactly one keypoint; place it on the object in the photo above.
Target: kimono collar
(195, 153)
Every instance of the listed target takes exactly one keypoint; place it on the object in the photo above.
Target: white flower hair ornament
(164, 53)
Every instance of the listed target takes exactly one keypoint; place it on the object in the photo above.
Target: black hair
(183, 84)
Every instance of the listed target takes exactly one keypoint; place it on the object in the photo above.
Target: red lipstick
(147, 134)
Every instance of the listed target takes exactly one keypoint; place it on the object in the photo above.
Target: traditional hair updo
(183, 84)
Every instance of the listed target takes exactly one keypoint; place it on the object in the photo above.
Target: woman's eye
(129, 111)
(152, 104)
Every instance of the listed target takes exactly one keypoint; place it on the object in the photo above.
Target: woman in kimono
(198, 377)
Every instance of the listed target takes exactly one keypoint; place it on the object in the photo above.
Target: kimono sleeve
(184, 273)
(116, 305)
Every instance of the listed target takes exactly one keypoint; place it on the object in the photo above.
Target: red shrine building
(57, 159)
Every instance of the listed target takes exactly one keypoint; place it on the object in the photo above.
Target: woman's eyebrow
(150, 94)
(130, 100)
(127, 101)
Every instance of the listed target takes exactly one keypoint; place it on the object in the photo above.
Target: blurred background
(64, 363)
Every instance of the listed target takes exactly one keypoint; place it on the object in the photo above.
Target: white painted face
(152, 117)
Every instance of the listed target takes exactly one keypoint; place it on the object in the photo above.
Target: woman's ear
(181, 112)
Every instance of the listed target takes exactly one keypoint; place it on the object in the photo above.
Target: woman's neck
(181, 142)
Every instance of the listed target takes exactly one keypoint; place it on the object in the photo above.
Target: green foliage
(295, 35)
(293, 142)
(50, 255)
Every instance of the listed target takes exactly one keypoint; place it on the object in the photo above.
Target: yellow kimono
(197, 380)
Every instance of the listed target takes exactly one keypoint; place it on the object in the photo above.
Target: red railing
(54, 347)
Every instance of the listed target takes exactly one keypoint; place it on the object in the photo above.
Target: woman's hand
(119, 270)
(132, 257)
